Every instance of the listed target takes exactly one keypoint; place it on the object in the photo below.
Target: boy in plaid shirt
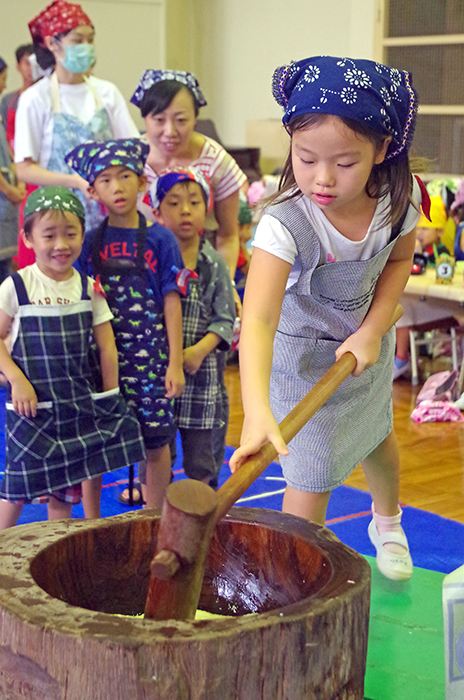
(181, 198)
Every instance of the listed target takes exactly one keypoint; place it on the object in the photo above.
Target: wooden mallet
(191, 509)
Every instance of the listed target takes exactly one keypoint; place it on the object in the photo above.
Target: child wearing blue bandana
(181, 198)
(332, 255)
(137, 265)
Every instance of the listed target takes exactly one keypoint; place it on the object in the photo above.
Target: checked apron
(326, 305)
(200, 406)
(141, 337)
(77, 434)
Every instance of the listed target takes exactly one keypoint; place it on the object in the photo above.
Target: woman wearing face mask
(66, 108)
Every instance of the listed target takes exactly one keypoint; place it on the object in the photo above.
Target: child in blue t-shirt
(181, 198)
(137, 265)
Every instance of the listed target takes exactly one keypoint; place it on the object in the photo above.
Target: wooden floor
(432, 454)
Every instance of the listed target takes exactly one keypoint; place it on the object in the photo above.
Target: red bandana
(58, 17)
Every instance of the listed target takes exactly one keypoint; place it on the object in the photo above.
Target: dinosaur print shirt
(162, 255)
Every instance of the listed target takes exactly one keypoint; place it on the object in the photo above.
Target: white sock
(389, 523)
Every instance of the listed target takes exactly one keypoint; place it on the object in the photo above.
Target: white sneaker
(391, 564)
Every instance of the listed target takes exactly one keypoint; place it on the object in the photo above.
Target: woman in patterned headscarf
(169, 102)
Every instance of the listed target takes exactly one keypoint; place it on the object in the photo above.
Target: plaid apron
(141, 338)
(326, 305)
(76, 434)
(200, 406)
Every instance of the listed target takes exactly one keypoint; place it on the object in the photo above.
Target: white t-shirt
(44, 291)
(274, 238)
(34, 116)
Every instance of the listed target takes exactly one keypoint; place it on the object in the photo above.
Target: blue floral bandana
(378, 97)
(56, 198)
(151, 77)
(171, 176)
(91, 158)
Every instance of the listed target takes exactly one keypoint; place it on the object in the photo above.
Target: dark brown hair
(389, 176)
(24, 50)
(159, 96)
(458, 212)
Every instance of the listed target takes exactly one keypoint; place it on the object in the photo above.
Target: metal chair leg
(131, 485)
(413, 353)
(454, 348)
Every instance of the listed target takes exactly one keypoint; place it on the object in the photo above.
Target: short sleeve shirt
(34, 115)
(43, 291)
(274, 238)
(221, 170)
(162, 255)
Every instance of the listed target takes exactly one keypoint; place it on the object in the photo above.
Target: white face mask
(79, 58)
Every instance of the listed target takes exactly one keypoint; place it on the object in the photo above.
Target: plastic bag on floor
(436, 411)
(441, 386)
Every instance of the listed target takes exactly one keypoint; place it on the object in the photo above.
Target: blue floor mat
(436, 543)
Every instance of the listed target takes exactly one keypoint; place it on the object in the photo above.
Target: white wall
(232, 45)
(243, 41)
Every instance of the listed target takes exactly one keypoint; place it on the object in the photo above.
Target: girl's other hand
(365, 346)
(174, 382)
(24, 397)
(254, 436)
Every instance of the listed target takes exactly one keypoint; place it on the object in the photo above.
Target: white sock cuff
(385, 520)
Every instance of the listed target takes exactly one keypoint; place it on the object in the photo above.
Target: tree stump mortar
(62, 582)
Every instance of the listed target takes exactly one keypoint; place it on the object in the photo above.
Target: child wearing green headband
(61, 430)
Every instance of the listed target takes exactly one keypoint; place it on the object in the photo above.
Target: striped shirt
(219, 167)
(221, 170)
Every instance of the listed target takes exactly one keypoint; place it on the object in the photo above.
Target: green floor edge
(405, 656)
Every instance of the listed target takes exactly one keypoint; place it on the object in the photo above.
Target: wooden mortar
(61, 580)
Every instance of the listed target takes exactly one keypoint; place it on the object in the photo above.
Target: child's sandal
(137, 498)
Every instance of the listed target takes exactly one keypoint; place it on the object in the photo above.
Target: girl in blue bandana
(331, 257)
